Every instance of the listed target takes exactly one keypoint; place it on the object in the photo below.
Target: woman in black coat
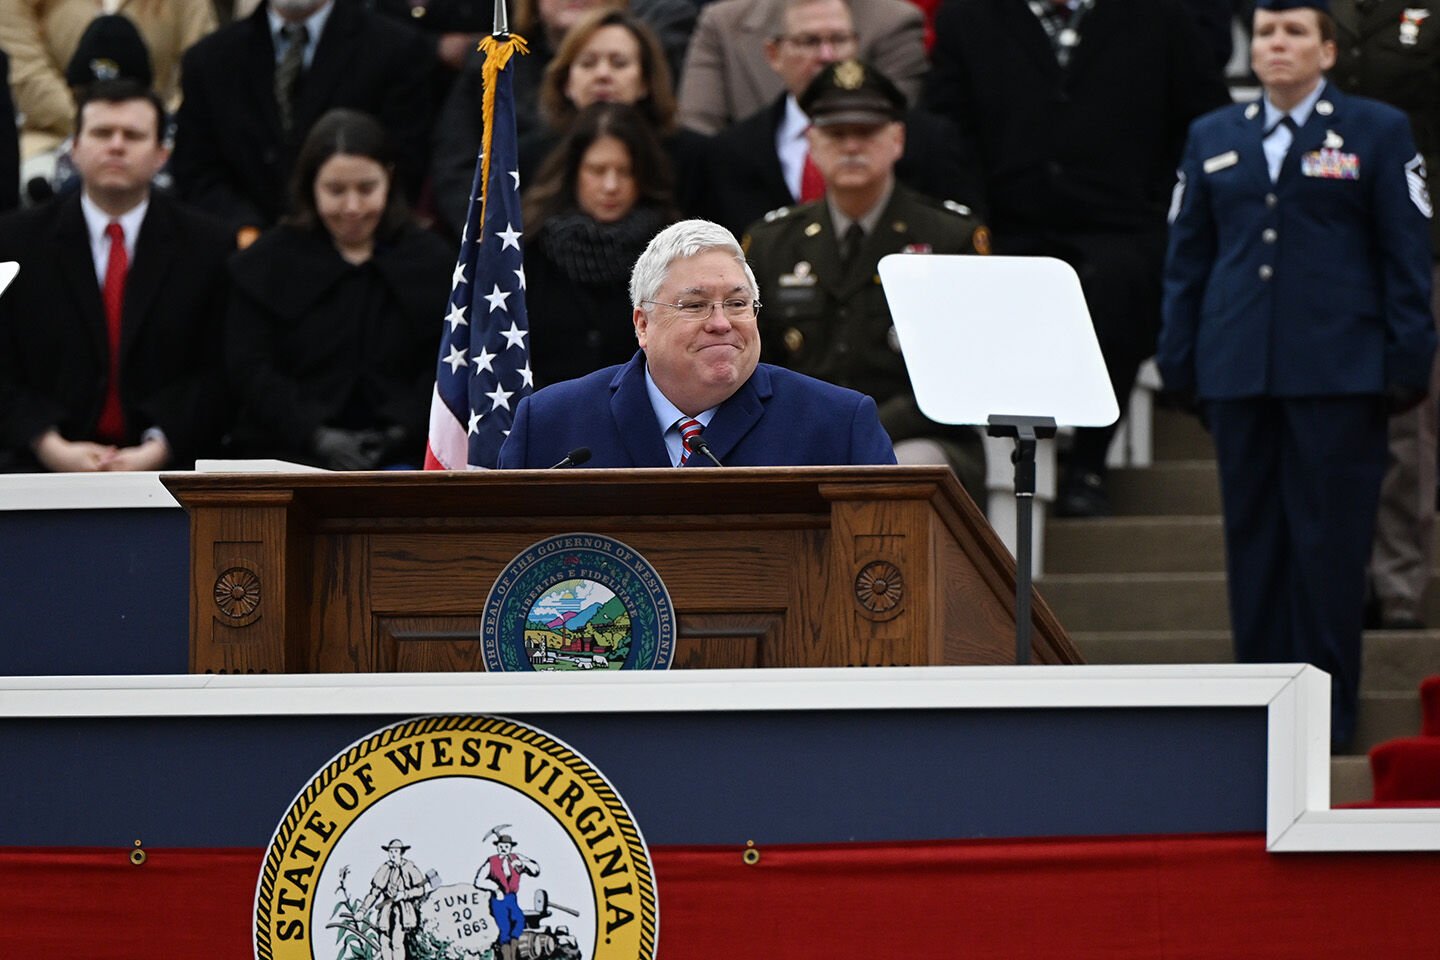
(599, 198)
(337, 312)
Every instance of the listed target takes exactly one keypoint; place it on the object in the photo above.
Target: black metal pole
(1027, 431)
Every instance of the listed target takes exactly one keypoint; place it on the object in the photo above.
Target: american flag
(484, 364)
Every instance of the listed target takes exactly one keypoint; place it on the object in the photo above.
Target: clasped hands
(59, 455)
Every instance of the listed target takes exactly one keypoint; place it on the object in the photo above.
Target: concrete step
(1395, 661)
(1174, 487)
(1385, 716)
(1135, 545)
(1431, 610)
(1350, 780)
(1160, 646)
(1179, 436)
(1146, 601)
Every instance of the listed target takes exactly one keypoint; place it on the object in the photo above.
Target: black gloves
(348, 449)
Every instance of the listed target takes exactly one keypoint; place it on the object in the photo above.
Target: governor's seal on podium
(578, 601)
(457, 837)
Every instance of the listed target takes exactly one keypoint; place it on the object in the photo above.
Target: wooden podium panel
(766, 567)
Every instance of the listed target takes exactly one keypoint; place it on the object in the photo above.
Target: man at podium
(695, 394)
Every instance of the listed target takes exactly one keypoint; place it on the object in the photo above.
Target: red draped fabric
(1166, 898)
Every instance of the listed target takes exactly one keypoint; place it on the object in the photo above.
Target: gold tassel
(498, 52)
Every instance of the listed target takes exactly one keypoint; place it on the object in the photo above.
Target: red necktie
(689, 430)
(111, 427)
(812, 182)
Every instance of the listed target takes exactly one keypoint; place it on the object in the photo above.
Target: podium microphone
(574, 458)
(697, 444)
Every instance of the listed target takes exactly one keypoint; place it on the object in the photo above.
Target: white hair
(676, 242)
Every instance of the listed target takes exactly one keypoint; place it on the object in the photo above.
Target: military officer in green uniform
(825, 314)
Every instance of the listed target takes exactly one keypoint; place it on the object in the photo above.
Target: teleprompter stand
(1027, 431)
(1004, 342)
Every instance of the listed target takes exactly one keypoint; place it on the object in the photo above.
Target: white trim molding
(1296, 698)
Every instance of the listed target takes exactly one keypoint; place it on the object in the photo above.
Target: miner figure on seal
(501, 874)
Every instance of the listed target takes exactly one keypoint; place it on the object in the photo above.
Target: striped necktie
(689, 430)
(288, 70)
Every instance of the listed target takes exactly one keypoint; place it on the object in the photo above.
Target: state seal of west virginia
(457, 837)
(579, 601)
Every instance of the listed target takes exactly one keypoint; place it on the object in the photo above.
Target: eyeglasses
(811, 42)
(699, 311)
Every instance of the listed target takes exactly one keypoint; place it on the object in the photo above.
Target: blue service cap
(1322, 5)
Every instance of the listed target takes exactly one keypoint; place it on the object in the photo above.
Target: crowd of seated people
(630, 116)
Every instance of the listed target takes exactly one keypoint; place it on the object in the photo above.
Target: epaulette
(778, 214)
(959, 208)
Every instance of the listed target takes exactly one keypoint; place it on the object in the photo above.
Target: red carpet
(1166, 898)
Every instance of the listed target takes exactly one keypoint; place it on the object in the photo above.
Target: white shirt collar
(794, 124)
(1302, 110)
(314, 24)
(96, 220)
(666, 413)
(791, 146)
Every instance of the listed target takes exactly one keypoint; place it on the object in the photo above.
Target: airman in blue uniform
(1296, 310)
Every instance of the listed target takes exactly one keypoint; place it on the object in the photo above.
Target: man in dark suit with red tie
(696, 376)
(109, 337)
(761, 163)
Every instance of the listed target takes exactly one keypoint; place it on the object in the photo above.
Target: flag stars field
(501, 398)
(515, 337)
(496, 298)
(456, 317)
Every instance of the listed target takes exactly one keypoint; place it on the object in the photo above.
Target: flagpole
(482, 371)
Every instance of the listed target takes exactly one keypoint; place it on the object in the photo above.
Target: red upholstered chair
(1406, 769)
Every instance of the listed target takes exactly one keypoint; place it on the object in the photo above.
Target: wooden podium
(766, 567)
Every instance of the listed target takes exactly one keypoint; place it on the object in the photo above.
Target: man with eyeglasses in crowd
(763, 162)
(696, 377)
(727, 75)
(816, 263)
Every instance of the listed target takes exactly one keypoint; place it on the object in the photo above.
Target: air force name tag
(1219, 162)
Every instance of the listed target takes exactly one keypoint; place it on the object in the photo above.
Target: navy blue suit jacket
(776, 418)
(1308, 286)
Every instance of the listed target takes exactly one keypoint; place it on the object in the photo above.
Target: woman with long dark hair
(336, 312)
(599, 198)
(611, 56)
